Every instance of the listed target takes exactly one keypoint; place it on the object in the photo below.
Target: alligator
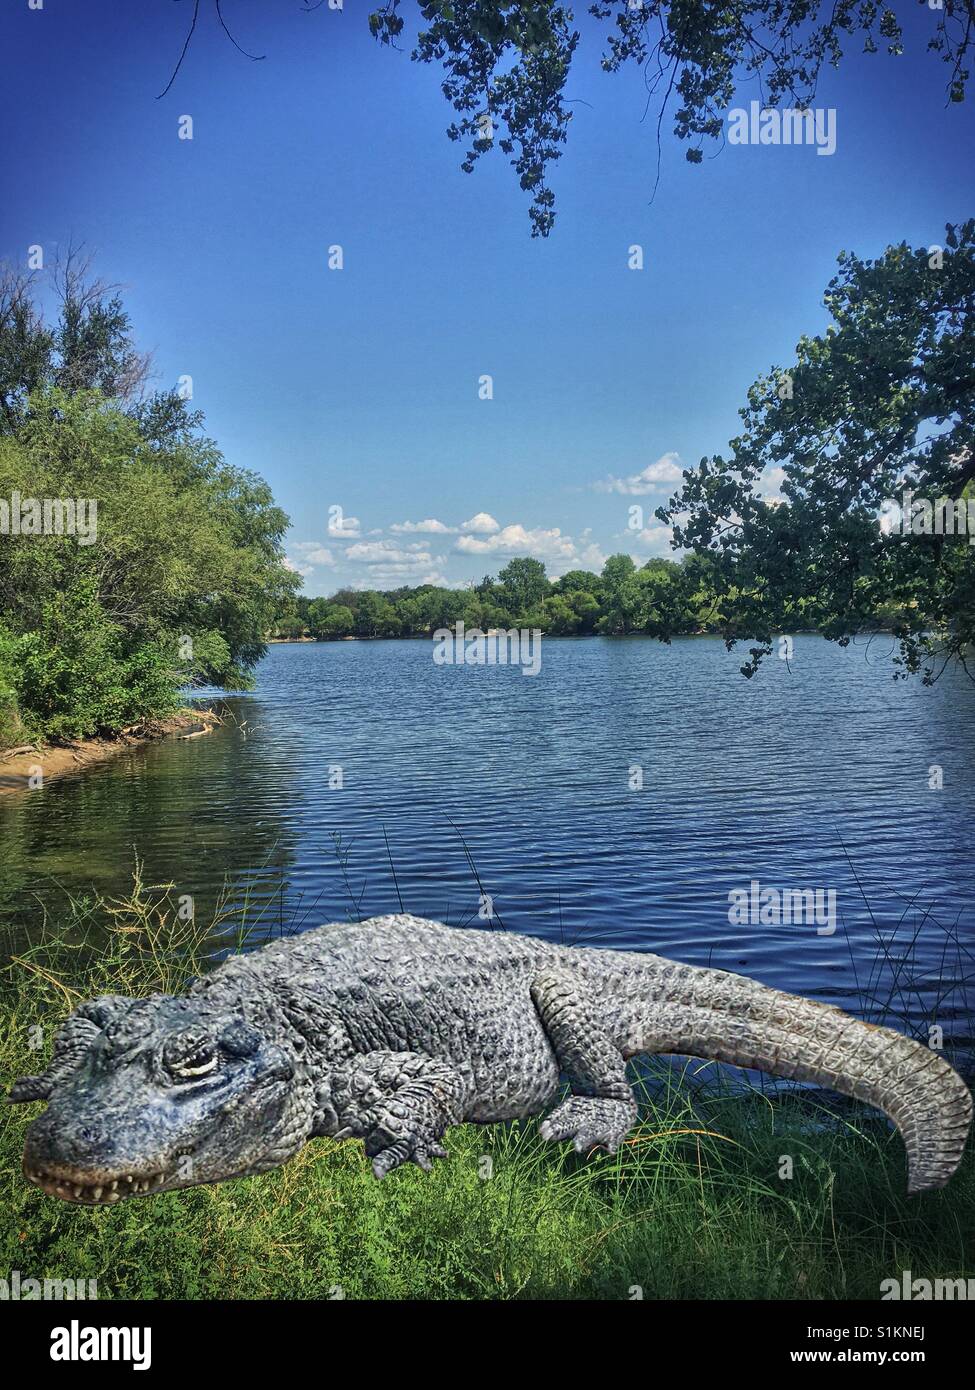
(393, 1029)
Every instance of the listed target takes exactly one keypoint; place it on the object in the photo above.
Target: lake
(361, 775)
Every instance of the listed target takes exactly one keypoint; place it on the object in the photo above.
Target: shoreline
(557, 636)
(19, 765)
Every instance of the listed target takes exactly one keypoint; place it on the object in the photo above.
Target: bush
(181, 553)
(74, 678)
(12, 729)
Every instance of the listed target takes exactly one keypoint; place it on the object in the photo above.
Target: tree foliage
(506, 64)
(88, 346)
(664, 598)
(77, 673)
(185, 569)
(881, 403)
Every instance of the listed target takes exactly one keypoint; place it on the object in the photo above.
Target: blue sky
(358, 389)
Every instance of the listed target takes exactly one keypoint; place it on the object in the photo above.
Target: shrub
(75, 677)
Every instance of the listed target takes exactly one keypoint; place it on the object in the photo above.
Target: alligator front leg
(601, 1110)
(400, 1103)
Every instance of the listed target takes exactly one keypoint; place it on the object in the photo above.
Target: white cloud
(665, 471)
(591, 557)
(415, 555)
(345, 528)
(392, 576)
(517, 540)
(559, 551)
(430, 525)
(768, 486)
(483, 524)
(314, 553)
(656, 538)
(303, 570)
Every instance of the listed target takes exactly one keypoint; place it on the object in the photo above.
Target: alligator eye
(189, 1054)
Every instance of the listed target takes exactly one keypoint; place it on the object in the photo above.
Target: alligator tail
(728, 1018)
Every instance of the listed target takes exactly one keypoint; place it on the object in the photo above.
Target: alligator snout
(53, 1140)
(87, 1157)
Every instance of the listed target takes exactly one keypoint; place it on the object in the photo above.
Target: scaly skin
(396, 1028)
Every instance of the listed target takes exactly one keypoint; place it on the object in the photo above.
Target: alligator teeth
(70, 1191)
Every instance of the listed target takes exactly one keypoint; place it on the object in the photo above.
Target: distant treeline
(663, 598)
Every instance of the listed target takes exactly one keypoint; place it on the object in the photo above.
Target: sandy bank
(28, 767)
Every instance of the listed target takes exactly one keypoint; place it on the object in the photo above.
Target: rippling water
(814, 774)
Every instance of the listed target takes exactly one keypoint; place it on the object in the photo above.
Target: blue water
(813, 774)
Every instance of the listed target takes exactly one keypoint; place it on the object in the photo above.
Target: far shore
(306, 640)
(30, 766)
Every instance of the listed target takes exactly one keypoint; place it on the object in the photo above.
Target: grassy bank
(693, 1207)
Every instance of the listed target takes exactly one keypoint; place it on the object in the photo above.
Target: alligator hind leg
(601, 1109)
(400, 1103)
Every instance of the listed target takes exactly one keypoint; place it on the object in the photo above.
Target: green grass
(693, 1207)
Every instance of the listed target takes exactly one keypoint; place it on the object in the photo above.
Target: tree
(289, 625)
(179, 572)
(881, 404)
(578, 581)
(339, 621)
(79, 673)
(315, 615)
(586, 608)
(187, 550)
(622, 606)
(561, 618)
(88, 346)
(375, 616)
(506, 63)
(523, 582)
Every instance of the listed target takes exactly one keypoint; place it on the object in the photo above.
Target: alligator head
(149, 1095)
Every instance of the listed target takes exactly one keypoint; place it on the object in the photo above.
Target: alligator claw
(422, 1152)
(29, 1088)
(590, 1122)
